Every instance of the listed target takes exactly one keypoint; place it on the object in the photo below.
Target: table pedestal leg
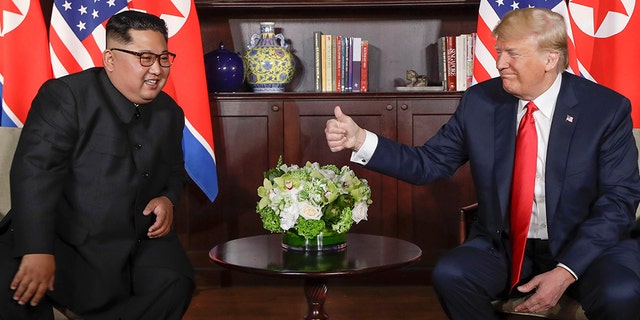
(315, 289)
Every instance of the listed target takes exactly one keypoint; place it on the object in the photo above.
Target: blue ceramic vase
(270, 65)
(224, 69)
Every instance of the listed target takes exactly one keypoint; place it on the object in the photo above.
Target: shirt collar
(124, 108)
(546, 102)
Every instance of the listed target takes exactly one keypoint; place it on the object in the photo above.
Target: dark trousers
(157, 293)
(472, 275)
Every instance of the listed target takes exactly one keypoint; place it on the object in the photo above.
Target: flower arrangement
(313, 199)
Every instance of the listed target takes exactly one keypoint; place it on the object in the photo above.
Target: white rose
(309, 211)
(359, 212)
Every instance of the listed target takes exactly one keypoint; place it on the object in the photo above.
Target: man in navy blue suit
(587, 185)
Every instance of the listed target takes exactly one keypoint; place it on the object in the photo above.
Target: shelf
(334, 95)
(330, 3)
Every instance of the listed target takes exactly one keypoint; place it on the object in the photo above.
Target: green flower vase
(325, 241)
(270, 66)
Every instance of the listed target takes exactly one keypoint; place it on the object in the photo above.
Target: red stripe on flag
(61, 51)
(94, 49)
(484, 35)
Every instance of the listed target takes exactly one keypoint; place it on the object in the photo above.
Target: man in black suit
(95, 178)
(585, 188)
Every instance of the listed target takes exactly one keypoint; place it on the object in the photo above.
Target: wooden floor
(288, 302)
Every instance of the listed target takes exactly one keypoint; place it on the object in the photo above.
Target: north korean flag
(606, 38)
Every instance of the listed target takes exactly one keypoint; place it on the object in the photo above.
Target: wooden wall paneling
(428, 214)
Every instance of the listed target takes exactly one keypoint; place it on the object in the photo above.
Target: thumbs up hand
(343, 133)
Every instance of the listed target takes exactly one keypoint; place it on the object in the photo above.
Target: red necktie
(524, 175)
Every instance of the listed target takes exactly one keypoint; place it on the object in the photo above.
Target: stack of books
(341, 63)
(455, 61)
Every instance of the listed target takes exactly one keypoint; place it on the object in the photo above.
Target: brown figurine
(416, 80)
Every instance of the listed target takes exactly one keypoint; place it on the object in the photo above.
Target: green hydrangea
(312, 199)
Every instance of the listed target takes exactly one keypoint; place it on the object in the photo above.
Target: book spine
(323, 52)
(442, 62)
(451, 62)
(328, 61)
(471, 45)
(364, 67)
(461, 62)
(357, 59)
(339, 63)
(350, 66)
(317, 60)
(333, 63)
(345, 63)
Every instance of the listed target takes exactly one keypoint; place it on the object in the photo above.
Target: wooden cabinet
(252, 130)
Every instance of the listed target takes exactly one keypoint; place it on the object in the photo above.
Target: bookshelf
(402, 35)
(252, 130)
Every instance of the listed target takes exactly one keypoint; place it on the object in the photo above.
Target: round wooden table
(363, 254)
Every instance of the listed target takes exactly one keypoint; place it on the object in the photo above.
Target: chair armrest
(468, 214)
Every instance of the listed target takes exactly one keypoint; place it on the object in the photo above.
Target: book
(323, 61)
(333, 63)
(317, 60)
(461, 62)
(328, 80)
(339, 63)
(357, 59)
(442, 61)
(364, 67)
(450, 49)
(471, 44)
(349, 61)
(345, 65)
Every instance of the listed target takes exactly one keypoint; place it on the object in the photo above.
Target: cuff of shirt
(364, 154)
(563, 266)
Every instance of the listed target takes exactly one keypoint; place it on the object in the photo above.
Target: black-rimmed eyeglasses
(147, 59)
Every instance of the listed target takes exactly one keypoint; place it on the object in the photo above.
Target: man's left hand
(163, 209)
(548, 286)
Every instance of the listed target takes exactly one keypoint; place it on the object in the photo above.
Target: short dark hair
(118, 27)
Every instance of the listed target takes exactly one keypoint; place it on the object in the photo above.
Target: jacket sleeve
(40, 167)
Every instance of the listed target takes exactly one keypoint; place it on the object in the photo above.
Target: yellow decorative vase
(270, 65)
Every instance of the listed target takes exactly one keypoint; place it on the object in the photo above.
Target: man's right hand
(343, 133)
(35, 275)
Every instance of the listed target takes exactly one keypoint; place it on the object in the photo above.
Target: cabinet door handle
(389, 107)
(275, 108)
(404, 107)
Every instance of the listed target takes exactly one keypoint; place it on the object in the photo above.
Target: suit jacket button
(146, 174)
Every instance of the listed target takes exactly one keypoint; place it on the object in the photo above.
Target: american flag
(489, 14)
(77, 33)
(77, 39)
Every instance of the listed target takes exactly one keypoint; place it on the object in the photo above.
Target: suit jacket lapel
(505, 140)
(563, 125)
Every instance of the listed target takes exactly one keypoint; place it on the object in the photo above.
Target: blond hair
(547, 26)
